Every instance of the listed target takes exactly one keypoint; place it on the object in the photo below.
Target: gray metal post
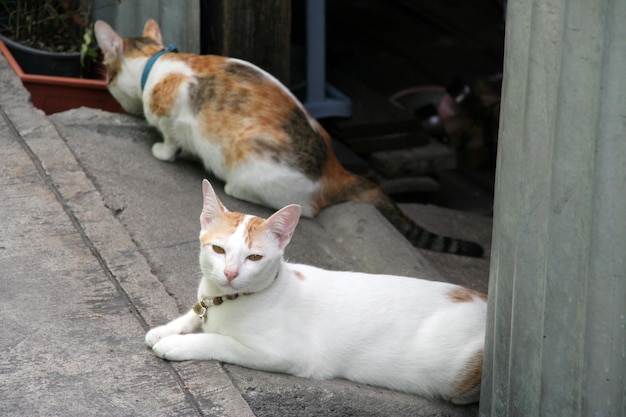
(316, 50)
(556, 339)
(322, 100)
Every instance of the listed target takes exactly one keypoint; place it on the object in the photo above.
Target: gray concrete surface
(98, 243)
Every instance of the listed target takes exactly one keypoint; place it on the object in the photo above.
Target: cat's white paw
(158, 333)
(175, 348)
(164, 152)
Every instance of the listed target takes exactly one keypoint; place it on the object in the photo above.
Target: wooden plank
(254, 30)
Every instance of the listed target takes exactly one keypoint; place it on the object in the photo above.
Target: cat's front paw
(165, 152)
(158, 333)
(175, 348)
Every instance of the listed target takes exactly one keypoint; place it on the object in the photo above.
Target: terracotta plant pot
(54, 94)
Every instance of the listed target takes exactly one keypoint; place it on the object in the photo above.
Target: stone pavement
(98, 243)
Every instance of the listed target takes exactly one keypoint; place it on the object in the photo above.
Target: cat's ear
(283, 223)
(152, 30)
(110, 42)
(212, 206)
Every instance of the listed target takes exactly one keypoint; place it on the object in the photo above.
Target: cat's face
(242, 253)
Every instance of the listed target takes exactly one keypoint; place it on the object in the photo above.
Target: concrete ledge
(106, 237)
(373, 244)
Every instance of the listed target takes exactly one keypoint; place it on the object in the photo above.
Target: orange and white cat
(246, 128)
(256, 310)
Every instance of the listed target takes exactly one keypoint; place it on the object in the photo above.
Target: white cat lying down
(256, 310)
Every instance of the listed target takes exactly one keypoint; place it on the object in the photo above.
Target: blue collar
(152, 60)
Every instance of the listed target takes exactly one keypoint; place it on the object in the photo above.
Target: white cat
(256, 310)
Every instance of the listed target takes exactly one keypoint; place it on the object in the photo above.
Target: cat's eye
(218, 249)
(255, 258)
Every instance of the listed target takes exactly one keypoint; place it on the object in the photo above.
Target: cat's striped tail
(420, 237)
(340, 185)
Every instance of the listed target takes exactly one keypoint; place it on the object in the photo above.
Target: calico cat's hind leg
(167, 150)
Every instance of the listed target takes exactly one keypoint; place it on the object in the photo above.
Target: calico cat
(256, 310)
(246, 127)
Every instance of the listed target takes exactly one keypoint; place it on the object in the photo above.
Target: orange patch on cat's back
(299, 275)
(470, 378)
(164, 94)
(202, 65)
(241, 139)
(273, 97)
(464, 295)
(239, 108)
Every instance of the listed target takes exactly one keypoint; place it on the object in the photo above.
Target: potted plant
(50, 45)
(55, 30)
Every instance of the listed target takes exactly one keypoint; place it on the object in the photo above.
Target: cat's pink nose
(231, 274)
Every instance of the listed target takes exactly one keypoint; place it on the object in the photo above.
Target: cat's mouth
(229, 288)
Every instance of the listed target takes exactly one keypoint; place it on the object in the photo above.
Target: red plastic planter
(56, 94)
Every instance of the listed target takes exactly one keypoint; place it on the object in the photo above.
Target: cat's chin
(233, 288)
(230, 290)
